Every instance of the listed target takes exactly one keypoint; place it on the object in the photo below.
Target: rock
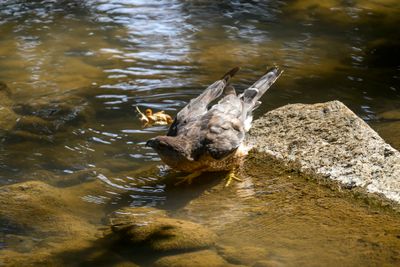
(150, 228)
(43, 222)
(198, 258)
(128, 216)
(8, 119)
(329, 140)
(246, 255)
(46, 115)
(267, 263)
(4, 88)
(18, 136)
(42, 208)
(35, 124)
(48, 226)
(5, 95)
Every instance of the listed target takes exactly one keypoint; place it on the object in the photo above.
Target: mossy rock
(151, 229)
(51, 113)
(246, 255)
(267, 263)
(34, 124)
(8, 118)
(194, 259)
(5, 95)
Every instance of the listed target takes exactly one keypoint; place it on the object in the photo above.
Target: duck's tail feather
(227, 76)
(252, 94)
(215, 90)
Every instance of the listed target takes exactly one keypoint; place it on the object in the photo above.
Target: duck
(206, 138)
(158, 118)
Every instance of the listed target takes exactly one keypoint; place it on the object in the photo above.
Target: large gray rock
(329, 140)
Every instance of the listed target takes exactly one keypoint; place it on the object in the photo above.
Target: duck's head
(148, 112)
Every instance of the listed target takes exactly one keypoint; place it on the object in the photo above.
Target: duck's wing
(250, 97)
(224, 130)
(198, 106)
(228, 121)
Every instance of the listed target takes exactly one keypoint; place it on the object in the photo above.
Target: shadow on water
(75, 71)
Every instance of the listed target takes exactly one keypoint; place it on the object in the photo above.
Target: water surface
(77, 69)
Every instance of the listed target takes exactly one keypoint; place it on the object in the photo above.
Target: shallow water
(82, 66)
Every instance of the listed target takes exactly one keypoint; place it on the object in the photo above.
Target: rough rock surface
(150, 228)
(329, 140)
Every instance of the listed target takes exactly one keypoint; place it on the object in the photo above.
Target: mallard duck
(203, 139)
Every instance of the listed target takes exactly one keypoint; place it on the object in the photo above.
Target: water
(77, 69)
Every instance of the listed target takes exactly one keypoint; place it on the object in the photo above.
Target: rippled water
(77, 69)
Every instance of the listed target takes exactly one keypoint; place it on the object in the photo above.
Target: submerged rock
(195, 259)
(47, 115)
(152, 229)
(40, 208)
(44, 222)
(8, 118)
(5, 95)
(247, 255)
(329, 140)
(267, 263)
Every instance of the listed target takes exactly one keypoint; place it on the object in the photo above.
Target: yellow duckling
(158, 118)
(142, 118)
(149, 118)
